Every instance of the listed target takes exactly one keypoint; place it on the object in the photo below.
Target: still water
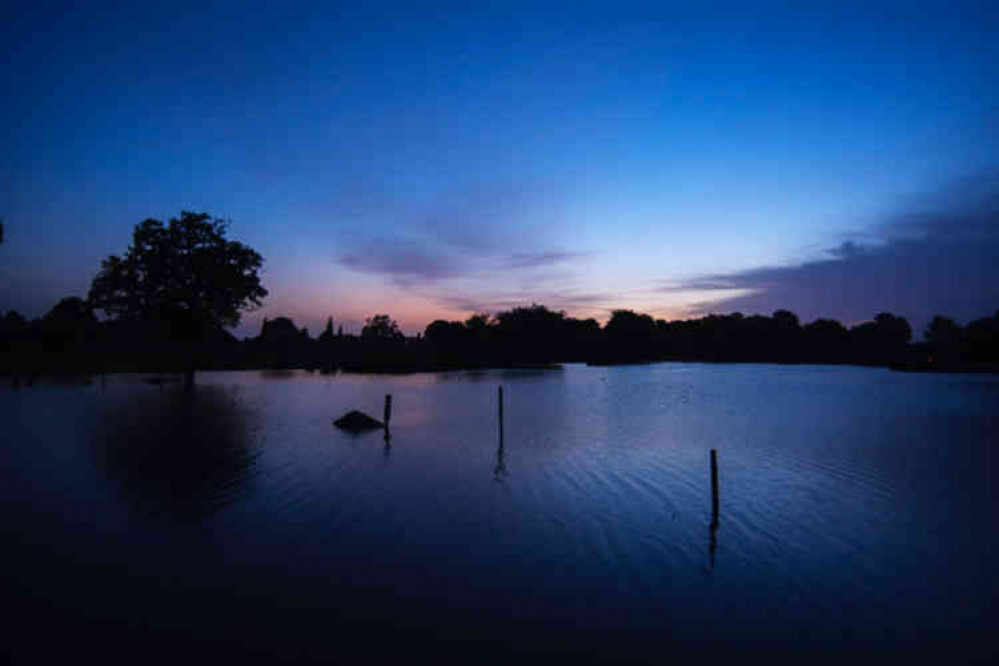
(857, 515)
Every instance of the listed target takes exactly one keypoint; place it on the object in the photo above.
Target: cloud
(493, 231)
(471, 247)
(403, 262)
(847, 249)
(537, 259)
(939, 256)
(412, 262)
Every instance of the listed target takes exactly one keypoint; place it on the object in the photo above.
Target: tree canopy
(381, 327)
(184, 274)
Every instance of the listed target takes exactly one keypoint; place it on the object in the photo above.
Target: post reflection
(713, 527)
(500, 470)
(184, 454)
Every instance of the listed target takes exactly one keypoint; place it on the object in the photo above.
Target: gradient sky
(435, 161)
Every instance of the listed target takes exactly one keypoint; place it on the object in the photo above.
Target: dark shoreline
(533, 337)
(161, 375)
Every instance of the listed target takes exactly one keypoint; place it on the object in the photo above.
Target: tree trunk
(189, 379)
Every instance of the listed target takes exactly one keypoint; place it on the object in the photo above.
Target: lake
(856, 515)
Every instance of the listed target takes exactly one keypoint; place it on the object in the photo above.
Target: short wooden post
(713, 528)
(388, 409)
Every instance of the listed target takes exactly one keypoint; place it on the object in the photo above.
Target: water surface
(856, 514)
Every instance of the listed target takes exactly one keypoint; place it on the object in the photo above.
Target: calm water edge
(857, 516)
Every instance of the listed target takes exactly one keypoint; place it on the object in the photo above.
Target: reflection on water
(176, 452)
(504, 374)
(500, 470)
(278, 374)
(713, 527)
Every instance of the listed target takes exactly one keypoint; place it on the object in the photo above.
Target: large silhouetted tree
(185, 275)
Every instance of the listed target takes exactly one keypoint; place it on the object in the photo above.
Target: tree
(280, 330)
(478, 322)
(72, 319)
(70, 312)
(629, 322)
(381, 327)
(327, 334)
(942, 332)
(184, 275)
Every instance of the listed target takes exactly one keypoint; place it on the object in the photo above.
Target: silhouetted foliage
(631, 336)
(280, 330)
(13, 321)
(184, 276)
(71, 321)
(70, 338)
(982, 337)
(381, 327)
(327, 334)
(826, 339)
(882, 340)
(185, 273)
(479, 322)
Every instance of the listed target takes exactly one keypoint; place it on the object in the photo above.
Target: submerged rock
(356, 421)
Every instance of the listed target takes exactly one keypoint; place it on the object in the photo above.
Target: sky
(431, 161)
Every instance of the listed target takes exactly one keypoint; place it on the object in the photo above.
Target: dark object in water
(356, 421)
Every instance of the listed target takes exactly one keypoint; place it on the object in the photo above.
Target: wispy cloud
(939, 256)
(401, 261)
(538, 259)
(484, 246)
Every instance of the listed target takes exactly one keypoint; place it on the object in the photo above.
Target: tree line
(70, 337)
(167, 301)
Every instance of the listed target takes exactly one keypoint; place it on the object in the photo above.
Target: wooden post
(714, 487)
(388, 409)
(501, 414)
(500, 468)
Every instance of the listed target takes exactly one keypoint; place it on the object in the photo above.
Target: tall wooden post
(714, 486)
(500, 470)
(501, 414)
(387, 415)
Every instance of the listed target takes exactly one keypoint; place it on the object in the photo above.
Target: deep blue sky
(436, 161)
